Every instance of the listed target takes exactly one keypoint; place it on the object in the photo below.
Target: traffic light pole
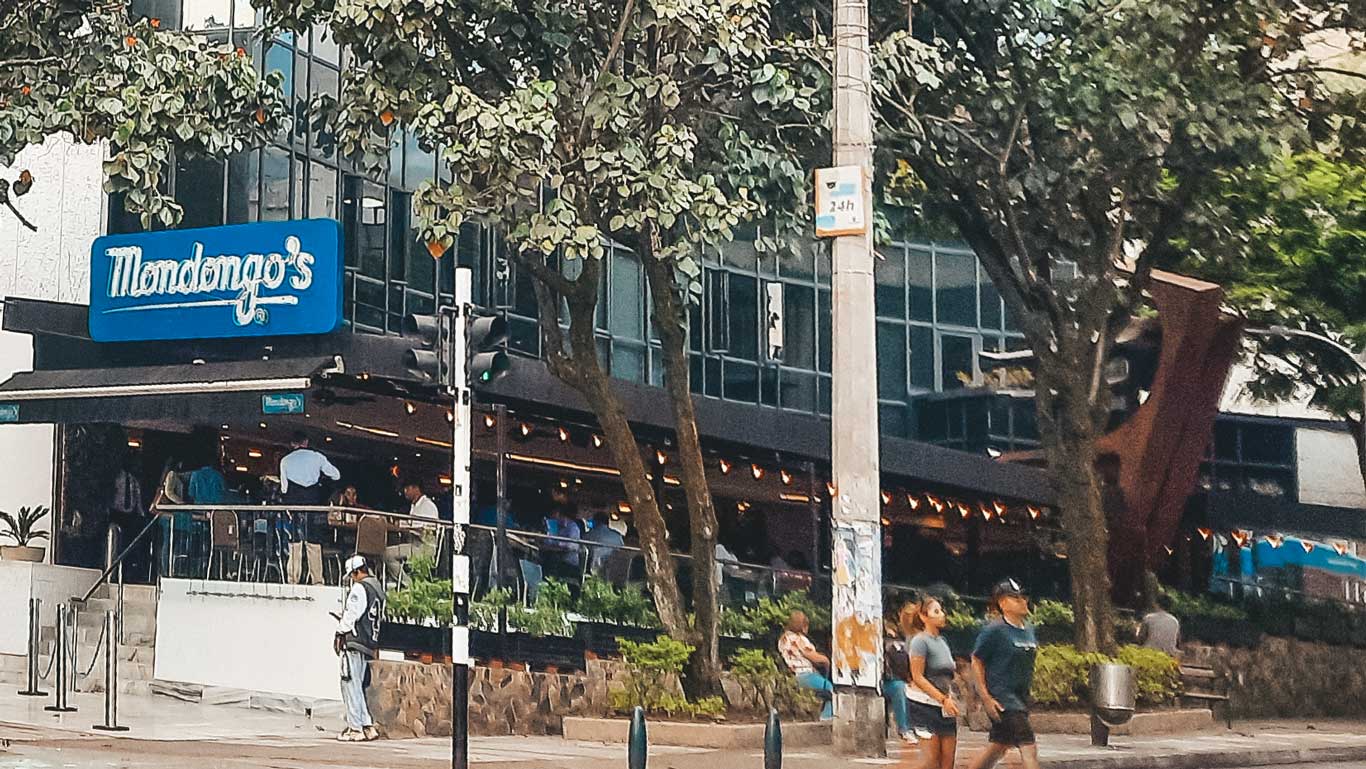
(461, 389)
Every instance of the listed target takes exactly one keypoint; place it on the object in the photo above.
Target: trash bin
(1112, 700)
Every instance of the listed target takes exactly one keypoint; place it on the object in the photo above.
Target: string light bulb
(1307, 545)
(525, 429)
(964, 510)
(724, 467)
(786, 476)
(1204, 533)
(756, 471)
(409, 407)
(986, 511)
(1340, 547)
(830, 489)
(489, 420)
(913, 501)
(1034, 512)
(597, 441)
(1169, 549)
(936, 503)
(999, 507)
(886, 497)
(564, 434)
(661, 457)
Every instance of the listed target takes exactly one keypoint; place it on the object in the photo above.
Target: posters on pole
(857, 645)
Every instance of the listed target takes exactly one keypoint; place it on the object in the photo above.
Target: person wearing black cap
(1003, 669)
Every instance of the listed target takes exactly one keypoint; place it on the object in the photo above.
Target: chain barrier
(94, 657)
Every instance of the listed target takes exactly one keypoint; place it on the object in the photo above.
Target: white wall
(259, 637)
(50, 584)
(1328, 469)
(66, 204)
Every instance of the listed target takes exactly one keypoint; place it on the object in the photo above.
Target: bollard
(637, 749)
(59, 700)
(111, 678)
(33, 632)
(773, 741)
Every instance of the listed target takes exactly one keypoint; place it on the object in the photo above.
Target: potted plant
(20, 528)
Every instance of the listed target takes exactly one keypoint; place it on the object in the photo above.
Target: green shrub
(1157, 675)
(1187, 605)
(1047, 613)
(769, 615)
(652, 668)
(423, 598)
(600, 601)
(1062, 675)
(960, 619)
(758, 673)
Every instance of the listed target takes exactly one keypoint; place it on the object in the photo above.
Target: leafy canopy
(83, 69)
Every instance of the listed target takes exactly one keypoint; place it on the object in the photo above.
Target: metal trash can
(1113, 696)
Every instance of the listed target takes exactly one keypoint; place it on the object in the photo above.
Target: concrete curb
(1216, 760)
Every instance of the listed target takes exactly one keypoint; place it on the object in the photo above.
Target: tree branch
(10, 205)
(14, 63)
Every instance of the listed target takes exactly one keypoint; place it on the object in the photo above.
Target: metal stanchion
(33, 635)
(111, 678)
(59, 702)
(637, 744)
(773, 741)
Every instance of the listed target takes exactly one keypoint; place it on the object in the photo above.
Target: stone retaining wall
(1288, 678)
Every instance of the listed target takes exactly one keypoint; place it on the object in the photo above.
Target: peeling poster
(857, 645)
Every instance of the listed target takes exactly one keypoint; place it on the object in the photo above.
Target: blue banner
(262, 279)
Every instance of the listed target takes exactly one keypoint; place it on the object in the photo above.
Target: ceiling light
(661, 457)
(725, 467)
(254, 453)
(409, 407)
(597, 441)
(526, 429)
(564, 434)
(134, 443)
(756, 471)
(786, 476)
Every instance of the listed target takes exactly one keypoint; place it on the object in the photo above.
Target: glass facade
(759, 335)
(1251, 456)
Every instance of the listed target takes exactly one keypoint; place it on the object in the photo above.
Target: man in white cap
(356, 643)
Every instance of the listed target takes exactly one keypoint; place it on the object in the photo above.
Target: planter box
(601, 637)
(565, 653)
(1153, 722)
(798, 734)
(26, 554)
(414, 639)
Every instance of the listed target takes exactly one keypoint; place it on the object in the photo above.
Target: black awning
(258, 376)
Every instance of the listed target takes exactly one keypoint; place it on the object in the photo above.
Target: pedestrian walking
(931, 690)
(1003, 670)
(356, 643)
(1161, 629)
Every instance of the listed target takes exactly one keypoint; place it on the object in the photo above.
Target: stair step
(140, 594)
(145, 624)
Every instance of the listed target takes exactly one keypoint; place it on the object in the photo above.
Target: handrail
(117, 562)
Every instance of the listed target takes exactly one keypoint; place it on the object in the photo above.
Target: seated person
(808, 665)
(606, 541)
(419, 538)
(560, 559)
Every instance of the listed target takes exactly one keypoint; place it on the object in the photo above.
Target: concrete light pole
(856, 660)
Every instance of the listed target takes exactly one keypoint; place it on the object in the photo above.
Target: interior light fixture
(756, 471)
(1204, 533)
(886, 497)
(724, 466)
(564, 434)
(444, 480)
(225, 427)
(525, 429)
(830, 489)
(1034, 512)
(254, 453)
(1307, 545)
(134, 443)
(789, 497)
(786, 477)
(913, 501)
(661, 457)
(433, 441)
(597, 441)
(243, 469)
(410, 407)
(489, 421)
(263, 425)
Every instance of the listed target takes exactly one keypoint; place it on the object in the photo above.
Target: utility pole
(856, 510)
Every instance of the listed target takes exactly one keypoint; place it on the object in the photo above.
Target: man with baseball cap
(1003, 670)
(356, 643)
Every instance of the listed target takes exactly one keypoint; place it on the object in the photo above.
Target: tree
(656, 124)
(1291, 256)
(1069, 143)
(83, 69)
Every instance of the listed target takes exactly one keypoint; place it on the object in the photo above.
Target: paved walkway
(168, 734)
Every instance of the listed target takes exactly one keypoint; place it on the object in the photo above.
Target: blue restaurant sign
(282, 403)
(262, 279)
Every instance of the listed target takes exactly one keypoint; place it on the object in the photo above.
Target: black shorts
(932, 719)
(1012, 729)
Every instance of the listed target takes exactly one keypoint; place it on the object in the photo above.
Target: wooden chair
(224, 542)
(372, 536)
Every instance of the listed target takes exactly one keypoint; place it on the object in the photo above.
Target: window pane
(740, 253)
(207, 16)
(322, 192)
(889, 272)
(244, 192)
(199, 189)
(325, 81)
(301, 118)
(799, 326)
(922, 357)
(626, 316)
(956, 283)
(891, 361)
(744, 317)
(920, 268)
(717, 299)
(524, 336)
(1226, 440)
(799, 391)
(742, 382)
(656, 367)
(891, 418)
(956, 360)
(525, 294)
(768, 391)
(324, 47)
(802, 264)
(823, 394)
(371, 215)
(991, 303)
(823, 328)
(628, 361)
(166, 11)
(1268, 444)
(396, 159)
(712, 374)
(243, 15)
(418, 164)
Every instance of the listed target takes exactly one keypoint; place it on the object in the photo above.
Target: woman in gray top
(930, 695)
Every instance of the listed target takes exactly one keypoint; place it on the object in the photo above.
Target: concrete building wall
(66, 204)
(1328, 469)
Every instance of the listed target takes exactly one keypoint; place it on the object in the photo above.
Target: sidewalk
(168, 734)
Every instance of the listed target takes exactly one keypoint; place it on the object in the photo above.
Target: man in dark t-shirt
(1003, 667)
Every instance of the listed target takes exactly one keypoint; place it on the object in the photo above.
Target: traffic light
(486, 361)
(430, 360)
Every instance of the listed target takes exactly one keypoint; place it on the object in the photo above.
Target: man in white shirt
(420, 506)
(356, 643)
(301, 474)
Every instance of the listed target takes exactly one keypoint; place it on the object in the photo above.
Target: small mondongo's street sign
(840, 208)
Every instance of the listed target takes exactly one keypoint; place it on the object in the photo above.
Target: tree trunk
(705, 666)
(1069, 427)
(580, 369)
